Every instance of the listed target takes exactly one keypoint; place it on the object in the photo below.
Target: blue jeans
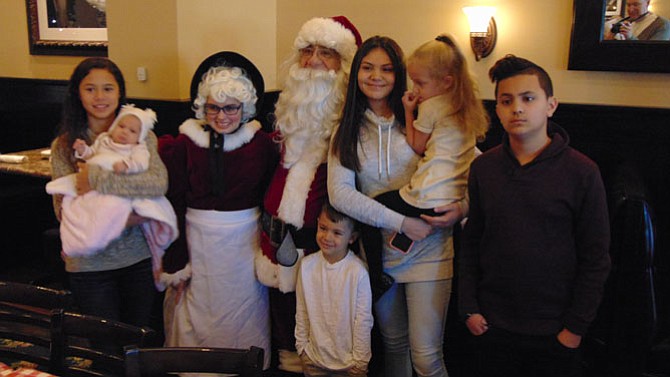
(125, 295)
(411, 318)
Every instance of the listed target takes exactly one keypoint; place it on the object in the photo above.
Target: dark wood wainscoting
(30, 110)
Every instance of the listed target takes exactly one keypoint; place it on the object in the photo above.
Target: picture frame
(69, 41)
(589, 52)
(614, 8)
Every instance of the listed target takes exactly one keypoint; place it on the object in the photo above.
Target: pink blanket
(91, 221)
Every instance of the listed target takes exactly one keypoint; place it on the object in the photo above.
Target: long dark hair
(345, 140)
(74, 121)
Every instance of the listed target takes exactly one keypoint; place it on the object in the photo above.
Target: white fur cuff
(266, 271)
(275, 276)
(177, 277)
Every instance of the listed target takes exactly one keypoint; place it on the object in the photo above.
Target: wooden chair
(85, 345)
(25, 321)
(622, 335)
(161, 361)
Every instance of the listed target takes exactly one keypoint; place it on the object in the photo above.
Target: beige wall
(167, 37)
(170, 38)
(537, 30)
(144, 34)
(209, 26)
(15, 58)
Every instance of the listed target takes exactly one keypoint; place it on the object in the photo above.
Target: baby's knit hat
(147, 119)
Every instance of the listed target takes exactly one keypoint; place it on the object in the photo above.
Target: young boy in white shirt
(334, 303)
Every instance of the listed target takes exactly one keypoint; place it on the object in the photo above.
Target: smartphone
(402, 243)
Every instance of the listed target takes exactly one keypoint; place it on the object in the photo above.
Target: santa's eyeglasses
(321, 52)
(212, 109)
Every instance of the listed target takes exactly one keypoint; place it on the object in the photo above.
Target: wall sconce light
(483, 31)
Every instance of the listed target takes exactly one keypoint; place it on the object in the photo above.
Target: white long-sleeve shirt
(334, 312)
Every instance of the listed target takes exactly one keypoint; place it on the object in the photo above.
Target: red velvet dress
(223, 305)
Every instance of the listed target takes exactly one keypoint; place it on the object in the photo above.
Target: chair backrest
(25, 320)
(622, 333)
(160, 361)
(36, 297)
(86, 345)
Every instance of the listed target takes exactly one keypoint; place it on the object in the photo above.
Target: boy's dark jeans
(502, 353)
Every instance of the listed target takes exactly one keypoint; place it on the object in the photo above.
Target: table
(26, 250)
(6, 370)
(37, 165)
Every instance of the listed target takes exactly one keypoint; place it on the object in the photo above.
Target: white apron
(223, 305)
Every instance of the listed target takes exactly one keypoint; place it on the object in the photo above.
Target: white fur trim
(288, 276)
(294, 198)
(328, 33)
(266, 271)
(276, 276)
(177, 277)
(299, 181)
(194, 129)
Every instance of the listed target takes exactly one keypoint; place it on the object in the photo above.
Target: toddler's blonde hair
(442, 58)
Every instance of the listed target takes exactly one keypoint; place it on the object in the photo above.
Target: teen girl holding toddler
(361, 167)
(450, 119)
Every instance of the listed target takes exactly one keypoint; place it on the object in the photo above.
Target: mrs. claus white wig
(221, 83)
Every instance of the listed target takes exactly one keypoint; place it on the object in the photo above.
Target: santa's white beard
(307, 111)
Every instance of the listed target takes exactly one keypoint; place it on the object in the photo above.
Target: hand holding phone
(401, 242)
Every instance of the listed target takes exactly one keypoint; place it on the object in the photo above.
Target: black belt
(276, 230)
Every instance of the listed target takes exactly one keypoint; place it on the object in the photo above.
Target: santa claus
(306, 113)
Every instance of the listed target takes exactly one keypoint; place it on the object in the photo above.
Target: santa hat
(337, 33)
(147, 119)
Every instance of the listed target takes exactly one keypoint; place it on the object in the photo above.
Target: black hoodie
(535, 247)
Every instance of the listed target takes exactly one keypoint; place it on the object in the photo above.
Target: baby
(122, 148)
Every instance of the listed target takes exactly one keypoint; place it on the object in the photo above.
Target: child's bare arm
(416, 139)
(419, 140)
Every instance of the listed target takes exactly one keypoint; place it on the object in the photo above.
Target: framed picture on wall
(67, 27)
(615, 8)
(589, 51)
